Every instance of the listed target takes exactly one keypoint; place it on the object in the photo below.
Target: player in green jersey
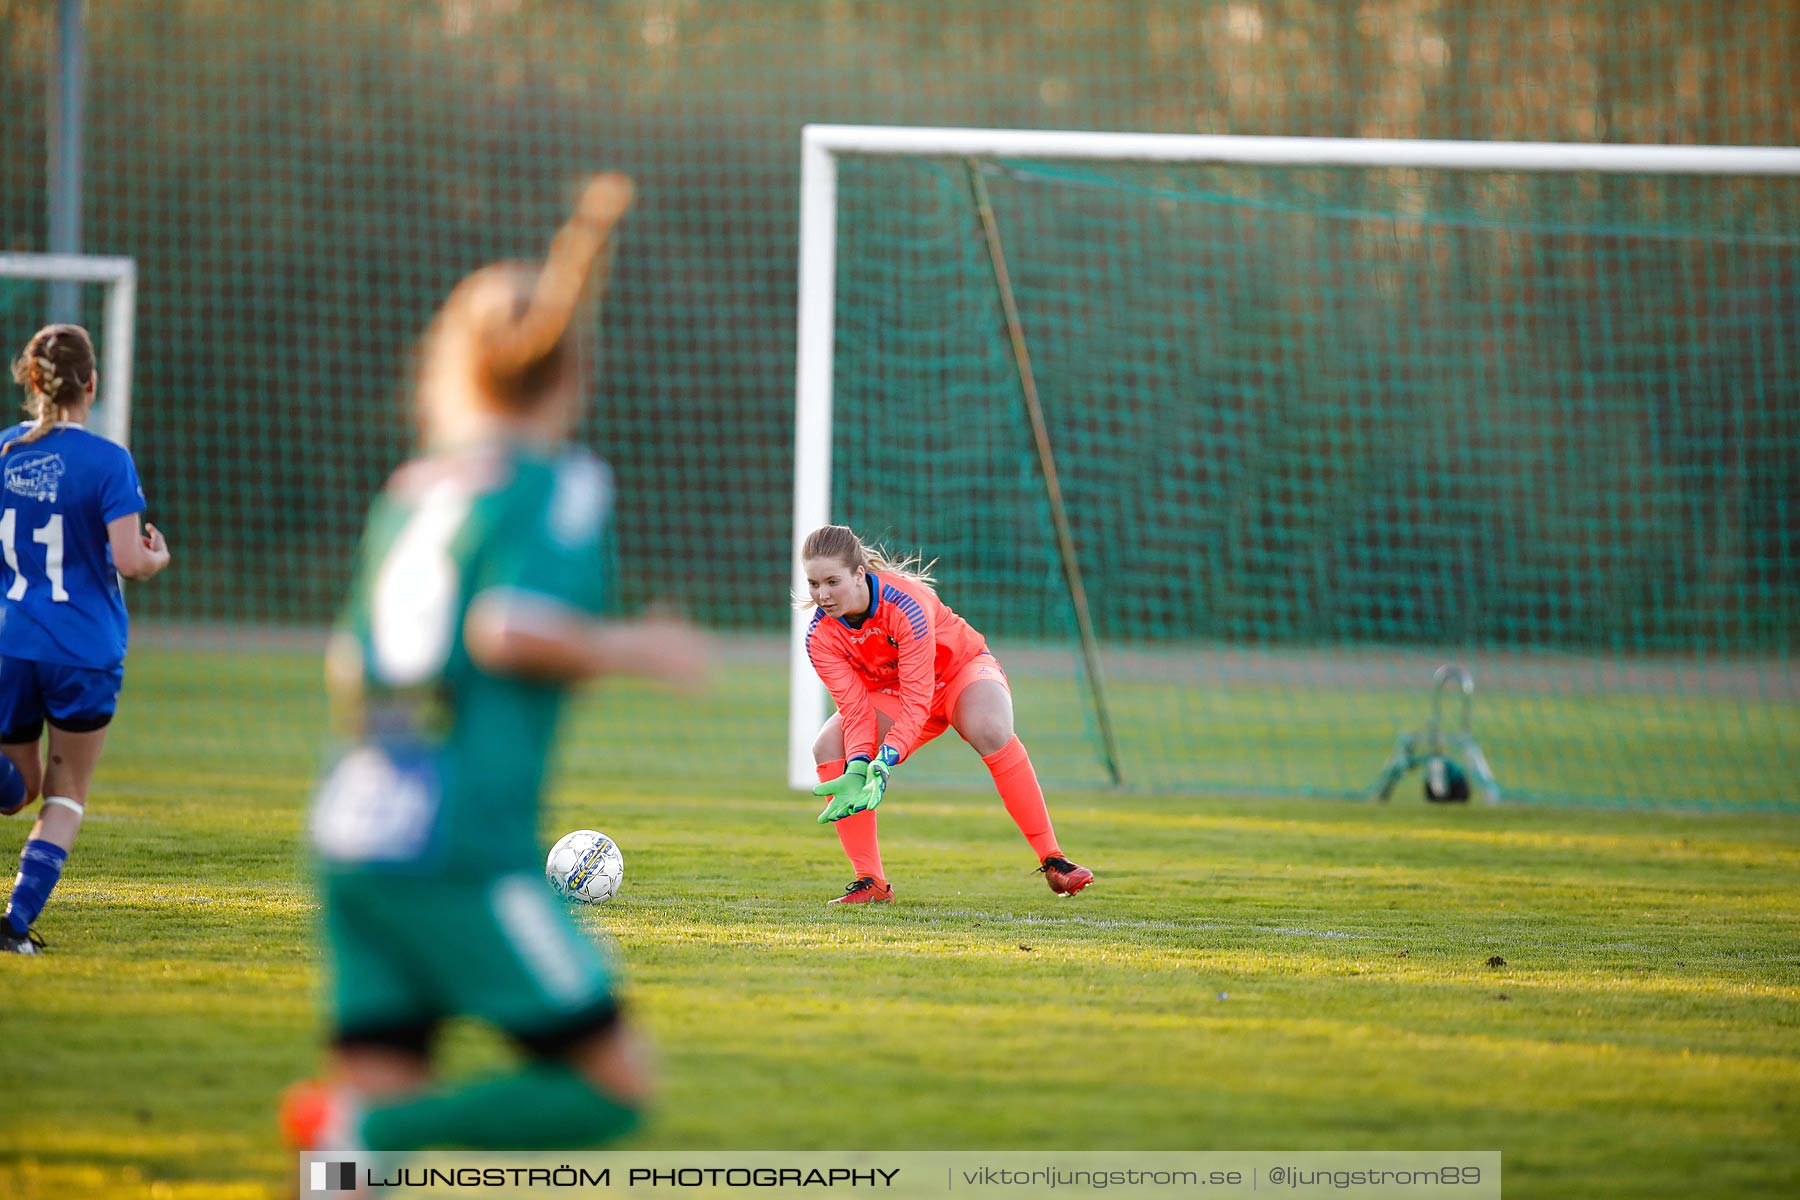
(480, 599)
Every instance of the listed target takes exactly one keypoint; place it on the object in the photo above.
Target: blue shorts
(75, 699)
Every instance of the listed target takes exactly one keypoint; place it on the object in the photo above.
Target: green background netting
(1319, 431)
(1358, 399)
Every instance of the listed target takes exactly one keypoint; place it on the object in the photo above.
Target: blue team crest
(35, 475)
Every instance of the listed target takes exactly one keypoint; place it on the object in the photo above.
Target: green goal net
(1321, 430)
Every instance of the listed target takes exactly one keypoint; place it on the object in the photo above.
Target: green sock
(544, 1106)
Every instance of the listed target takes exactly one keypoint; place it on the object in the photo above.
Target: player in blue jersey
(69, 527)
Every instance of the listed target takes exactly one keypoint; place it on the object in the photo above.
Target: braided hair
(56, 370)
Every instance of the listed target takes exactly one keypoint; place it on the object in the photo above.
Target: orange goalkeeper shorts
(945, 693)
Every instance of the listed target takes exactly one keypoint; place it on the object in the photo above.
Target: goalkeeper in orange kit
(903, 668)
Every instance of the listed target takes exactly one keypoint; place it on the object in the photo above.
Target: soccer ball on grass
(586, 865)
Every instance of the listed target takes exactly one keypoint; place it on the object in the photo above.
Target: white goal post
(112, 414)
(823, 145)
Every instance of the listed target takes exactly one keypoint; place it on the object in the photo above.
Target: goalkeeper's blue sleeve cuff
(856, 758)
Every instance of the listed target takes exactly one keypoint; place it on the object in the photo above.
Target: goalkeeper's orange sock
(1017, 783)
(856, 832)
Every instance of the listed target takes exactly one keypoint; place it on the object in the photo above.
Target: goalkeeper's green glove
(861, 786)
(846, 792)
(876, 788)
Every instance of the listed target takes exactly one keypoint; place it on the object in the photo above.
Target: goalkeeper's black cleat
(866, 890)
(1063, 876)
(19, 943)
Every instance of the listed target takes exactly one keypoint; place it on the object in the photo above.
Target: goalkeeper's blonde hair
(840, 544)
(505, 329)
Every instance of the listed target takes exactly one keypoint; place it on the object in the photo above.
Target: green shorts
(408, 952)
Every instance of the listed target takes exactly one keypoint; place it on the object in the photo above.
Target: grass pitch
(1608, 998)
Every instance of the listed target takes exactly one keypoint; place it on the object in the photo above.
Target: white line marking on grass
(1080, 922)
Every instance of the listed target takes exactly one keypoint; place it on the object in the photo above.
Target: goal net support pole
(112, 417)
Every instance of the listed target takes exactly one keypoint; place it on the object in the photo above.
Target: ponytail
(56, 370)
(514, 345)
